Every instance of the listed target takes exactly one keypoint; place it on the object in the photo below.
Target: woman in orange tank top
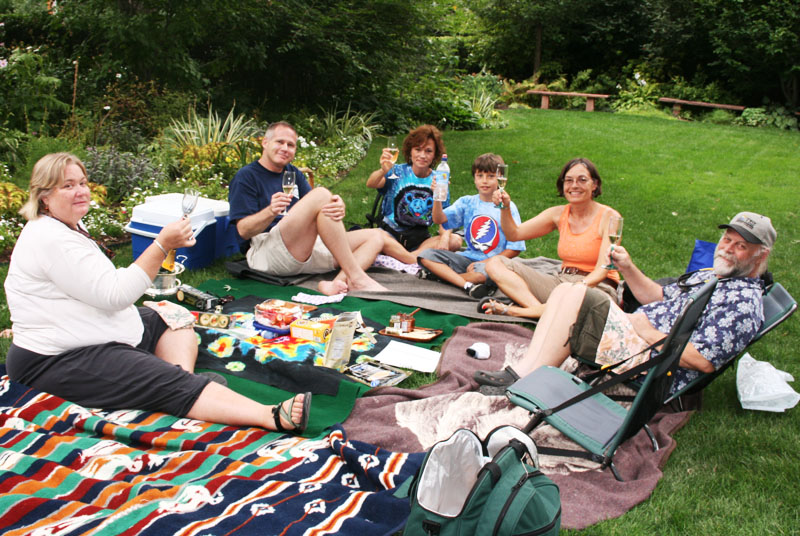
(583, 244)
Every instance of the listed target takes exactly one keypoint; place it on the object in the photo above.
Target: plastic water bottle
(442, 180)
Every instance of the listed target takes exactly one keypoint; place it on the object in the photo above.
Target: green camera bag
(469, 487)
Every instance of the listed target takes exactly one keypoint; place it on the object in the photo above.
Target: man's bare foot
(336, 286)
(366, 283)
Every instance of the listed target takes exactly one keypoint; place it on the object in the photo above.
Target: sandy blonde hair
(47, 174)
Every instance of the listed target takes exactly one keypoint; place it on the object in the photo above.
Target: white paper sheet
(408, 356)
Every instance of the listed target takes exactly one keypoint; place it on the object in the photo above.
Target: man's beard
(734, 267)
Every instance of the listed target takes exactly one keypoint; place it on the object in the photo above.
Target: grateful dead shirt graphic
(483, 234)
(413, 206)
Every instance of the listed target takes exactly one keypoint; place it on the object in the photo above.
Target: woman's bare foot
(336, 286)
(495, 307)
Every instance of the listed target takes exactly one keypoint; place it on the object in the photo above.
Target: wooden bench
(590, 97)
(677, 103)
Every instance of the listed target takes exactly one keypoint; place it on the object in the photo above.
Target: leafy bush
(720, 117)
(29, 87)
(517, 92)
(329, 162)
(103, 223)
(12, 197)
(10, 146)
(36, 147)
(124, 135)
(432, 98)
(120, 171)
(483, 91)
(679, 88)
(10, 228)
(636, 96)
(772, 116)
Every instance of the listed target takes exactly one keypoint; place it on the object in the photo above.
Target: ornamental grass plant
(733, 471)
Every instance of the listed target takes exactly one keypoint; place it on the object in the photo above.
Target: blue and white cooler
(226, 242)
(149, 218)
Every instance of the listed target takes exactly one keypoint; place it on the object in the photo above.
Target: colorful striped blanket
(66, 469)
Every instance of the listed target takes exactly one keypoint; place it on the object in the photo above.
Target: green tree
(757, 48)
(254, 52)
(556, 37)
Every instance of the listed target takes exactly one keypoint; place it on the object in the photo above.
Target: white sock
(467, 285)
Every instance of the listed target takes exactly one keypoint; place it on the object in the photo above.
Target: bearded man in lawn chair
(584, 322)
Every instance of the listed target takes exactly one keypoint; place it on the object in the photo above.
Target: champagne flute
(614, 236)
(502, 179)
(189, 203)
(288, 180)
(394, 151)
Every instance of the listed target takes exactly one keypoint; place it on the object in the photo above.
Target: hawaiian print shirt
(732, 318)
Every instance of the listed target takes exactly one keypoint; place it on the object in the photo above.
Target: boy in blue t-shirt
(480, 219)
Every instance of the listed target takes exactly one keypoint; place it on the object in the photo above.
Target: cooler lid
(220, 208)
(164, 211)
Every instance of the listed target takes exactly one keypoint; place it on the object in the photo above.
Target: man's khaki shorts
(268, 254)
(542, 284)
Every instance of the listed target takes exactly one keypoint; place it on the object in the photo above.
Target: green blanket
(379, 311)
(326, 410)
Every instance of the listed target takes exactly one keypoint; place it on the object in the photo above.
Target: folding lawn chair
(375, 217)
(778, 306)
(593, 420)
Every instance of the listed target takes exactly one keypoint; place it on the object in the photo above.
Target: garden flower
(106, 108)
(3, 63)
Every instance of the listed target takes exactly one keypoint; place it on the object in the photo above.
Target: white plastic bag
(763, 387)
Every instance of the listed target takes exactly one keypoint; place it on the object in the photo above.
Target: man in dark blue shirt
(310, 238)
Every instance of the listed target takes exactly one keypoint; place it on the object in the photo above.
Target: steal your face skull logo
(484, 234)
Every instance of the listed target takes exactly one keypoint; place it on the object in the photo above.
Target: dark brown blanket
(413, 420)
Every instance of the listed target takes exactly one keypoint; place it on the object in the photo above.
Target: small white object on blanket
(392, 263)
(313, 299)
(479, 350)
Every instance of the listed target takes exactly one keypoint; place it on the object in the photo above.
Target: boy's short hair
(487, 163)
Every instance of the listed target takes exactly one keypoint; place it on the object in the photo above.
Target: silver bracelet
(157, 243)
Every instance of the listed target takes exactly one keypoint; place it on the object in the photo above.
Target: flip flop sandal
(485, 304)
(501, 378)
(297, 428)
(492, 390)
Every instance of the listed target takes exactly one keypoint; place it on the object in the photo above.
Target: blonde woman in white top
(77, 332)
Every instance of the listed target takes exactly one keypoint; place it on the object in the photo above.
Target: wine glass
(189, 203)
(288, 187)
(502, 179)
(394, 151)
(614, 236)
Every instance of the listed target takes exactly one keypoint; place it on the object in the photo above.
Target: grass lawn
(674, 182)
